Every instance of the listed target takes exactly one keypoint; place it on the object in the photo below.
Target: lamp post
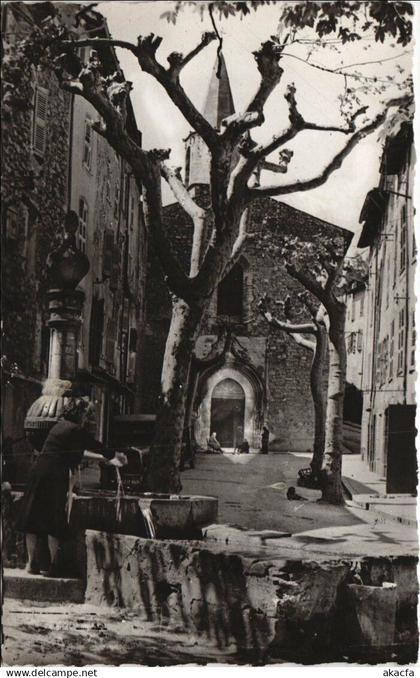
(66, 265)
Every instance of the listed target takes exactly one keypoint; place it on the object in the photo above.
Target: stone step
(20, 585)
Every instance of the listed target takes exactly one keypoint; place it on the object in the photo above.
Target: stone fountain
(66, 267)
(127, 511)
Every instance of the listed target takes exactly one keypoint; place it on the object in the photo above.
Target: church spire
(219, 100)
(218, 105)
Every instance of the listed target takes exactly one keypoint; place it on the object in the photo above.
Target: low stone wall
(297, 610)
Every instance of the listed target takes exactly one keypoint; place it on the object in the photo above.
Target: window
(108, 253)
(353, 307)
(391, 352)
(403, 239)
(12, 230)
(360, 340)
(230, 294)
(387, 282)
(384, 360)
(111, 340)
(87, 144)
(117, 202)
(132, 211)
(394, 268)
(39, 130)
(362, 304)
(351, 343)
(187, 166)
(413, 340)
(401, 334)
(96, 331)
(83, 221)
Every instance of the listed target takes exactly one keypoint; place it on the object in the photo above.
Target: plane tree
(310, 333)
(234, 160)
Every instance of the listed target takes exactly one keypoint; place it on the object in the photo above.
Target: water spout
(148, 519)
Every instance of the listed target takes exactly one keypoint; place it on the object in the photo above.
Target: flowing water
(145, 510)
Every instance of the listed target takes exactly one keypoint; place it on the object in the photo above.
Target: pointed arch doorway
(228, 412)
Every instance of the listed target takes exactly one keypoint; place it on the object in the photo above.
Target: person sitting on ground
(213, 445)
(292, 495)
(243, 448)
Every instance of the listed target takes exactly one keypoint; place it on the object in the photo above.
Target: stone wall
(283, 366)
(298, 610)
(34, 195)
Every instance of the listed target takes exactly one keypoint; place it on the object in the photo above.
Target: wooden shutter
(111, 337)
(115, 272)
(40, 121)
(108, 253)
(96, 331)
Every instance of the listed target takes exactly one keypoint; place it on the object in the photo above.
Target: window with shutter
(230, 294)
(401, 335)
(132, 343)
(111, 337)
(83, 222)
(87, 144)
(115, 271)
(403, 239)
(39, 138)
(108, 253)
(96, 331)
(360, 340)
(413, 340)
(11, 224)
(391, 352)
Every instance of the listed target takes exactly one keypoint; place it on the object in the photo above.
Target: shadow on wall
(175, 584)
(297, 610)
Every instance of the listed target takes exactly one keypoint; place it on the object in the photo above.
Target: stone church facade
(244, 374)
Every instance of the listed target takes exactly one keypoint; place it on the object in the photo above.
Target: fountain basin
(173, 516)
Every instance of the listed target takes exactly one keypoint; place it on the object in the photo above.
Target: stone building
(243, 373)
(388, 424)
(53, 161)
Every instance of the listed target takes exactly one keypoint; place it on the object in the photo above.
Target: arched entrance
(228, 412)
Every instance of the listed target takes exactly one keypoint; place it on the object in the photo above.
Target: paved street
(82, 635)
(252, 496)
(252, 492)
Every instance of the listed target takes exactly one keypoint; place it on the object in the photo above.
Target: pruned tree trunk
(331, 469)
(166, 448)
(318, 396)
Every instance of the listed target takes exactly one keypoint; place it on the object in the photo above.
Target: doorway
(228, 413)
(401, 472)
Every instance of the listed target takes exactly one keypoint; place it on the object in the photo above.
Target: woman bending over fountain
(43, 510)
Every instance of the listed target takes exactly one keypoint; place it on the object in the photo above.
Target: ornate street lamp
(66, 266)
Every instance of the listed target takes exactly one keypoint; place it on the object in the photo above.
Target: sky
(340, 200)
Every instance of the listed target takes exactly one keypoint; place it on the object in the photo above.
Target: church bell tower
(218, 105)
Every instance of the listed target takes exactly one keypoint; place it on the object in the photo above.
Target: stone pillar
(66, 265)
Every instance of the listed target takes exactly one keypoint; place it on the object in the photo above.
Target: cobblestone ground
(81, 635)
(251, 489)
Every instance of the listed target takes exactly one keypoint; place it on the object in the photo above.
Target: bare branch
(197, 214)
(332, 128)
(303, 341)
(286, 326)
(178, 61)
(180, 191)
(297, 124)
(335, 163)
(267, 58)
(145, 51)
(308, 282)
(145, 166)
